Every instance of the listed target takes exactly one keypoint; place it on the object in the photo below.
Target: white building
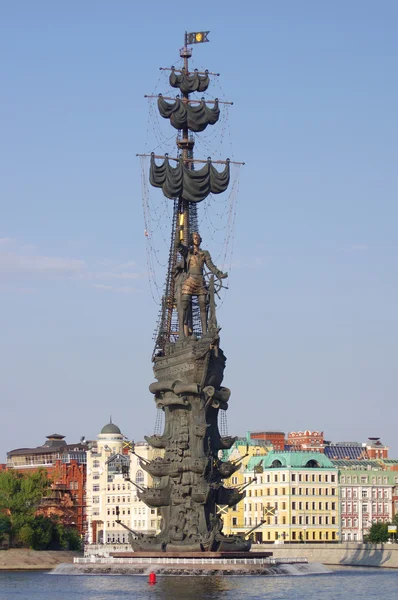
(110, 464)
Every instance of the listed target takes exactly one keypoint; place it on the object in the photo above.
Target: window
(139, 478)
(293, 477)
(234, 521)
(96, 464)
(293, 506)
(96, 475)
(96, 487)
(96, 499)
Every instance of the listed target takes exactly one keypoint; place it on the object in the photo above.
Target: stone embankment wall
(21, 560)
(348, 554)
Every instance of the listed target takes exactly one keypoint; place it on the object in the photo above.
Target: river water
(347, 584)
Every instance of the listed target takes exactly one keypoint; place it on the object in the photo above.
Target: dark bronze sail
(182, 182)
(189, 83)
(183, 115)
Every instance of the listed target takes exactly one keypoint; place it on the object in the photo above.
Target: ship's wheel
(218, 282)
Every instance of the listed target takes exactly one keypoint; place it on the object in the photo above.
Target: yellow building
(233, 517)
(296, 494)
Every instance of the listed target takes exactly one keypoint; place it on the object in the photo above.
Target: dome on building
(111, 428)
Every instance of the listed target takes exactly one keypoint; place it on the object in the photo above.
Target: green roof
(291, 460)
(111, 428)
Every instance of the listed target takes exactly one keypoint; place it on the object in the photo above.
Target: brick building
(65, 465)
(275, 439)
(312, 441)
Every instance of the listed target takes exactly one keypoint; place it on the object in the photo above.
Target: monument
(188, 362)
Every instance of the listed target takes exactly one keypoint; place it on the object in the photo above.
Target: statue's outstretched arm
(183, 250)
(212, 267)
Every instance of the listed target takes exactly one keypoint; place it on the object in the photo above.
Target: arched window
(312, 464)
(139, 478)
(276, 464)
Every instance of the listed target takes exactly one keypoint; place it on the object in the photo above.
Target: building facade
(296, 494)
(233, 517)
(65, 465)
(367, 496)
(274, 439)
(111, 498)
(312, 441)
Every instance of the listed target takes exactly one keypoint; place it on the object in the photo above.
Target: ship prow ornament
(188, 362)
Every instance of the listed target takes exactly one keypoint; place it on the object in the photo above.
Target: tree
(378, 533)
(5, 527)
(20, 496)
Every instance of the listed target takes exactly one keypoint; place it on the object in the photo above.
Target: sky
(309, 323)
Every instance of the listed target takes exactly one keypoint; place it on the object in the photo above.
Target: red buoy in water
(152, 578)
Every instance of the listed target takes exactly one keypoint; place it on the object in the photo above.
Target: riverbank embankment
(34, 560)
(346, 554)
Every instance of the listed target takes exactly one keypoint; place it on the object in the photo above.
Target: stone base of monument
(192, 555)
(194, 563)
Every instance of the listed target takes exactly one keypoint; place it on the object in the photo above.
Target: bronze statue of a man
(194, 284)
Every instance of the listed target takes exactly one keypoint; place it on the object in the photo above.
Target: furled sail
(182, 182)
(183, 115)
(189, 83)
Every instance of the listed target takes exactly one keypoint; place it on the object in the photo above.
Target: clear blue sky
(310, 320)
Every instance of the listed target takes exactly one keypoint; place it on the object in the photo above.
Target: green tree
(5, 527)
(378, 533)
(20, 495)
(37, 533)
(66, 538)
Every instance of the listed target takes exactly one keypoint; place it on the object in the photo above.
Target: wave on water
(164, 570)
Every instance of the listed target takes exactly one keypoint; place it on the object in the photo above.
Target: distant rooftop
(357, 464)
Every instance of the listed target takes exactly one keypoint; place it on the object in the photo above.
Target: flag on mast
(196, 37)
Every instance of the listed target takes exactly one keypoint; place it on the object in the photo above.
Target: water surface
(347, 584)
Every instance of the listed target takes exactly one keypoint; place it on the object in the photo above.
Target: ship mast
(184, 219)
(183, 184)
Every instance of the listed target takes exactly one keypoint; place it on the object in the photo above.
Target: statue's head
(196, 239)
